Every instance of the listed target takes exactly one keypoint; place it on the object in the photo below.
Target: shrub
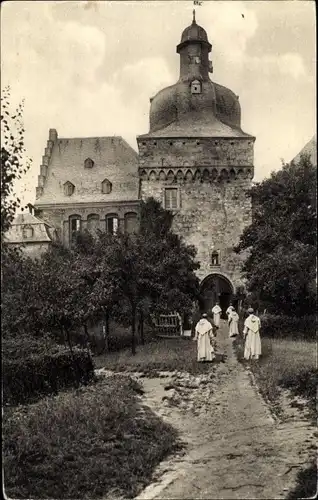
(32, 369)
(288, 326)
(94, 442)
(306, 486)
(22, 346)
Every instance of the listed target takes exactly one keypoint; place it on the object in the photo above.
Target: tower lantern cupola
(194, 50)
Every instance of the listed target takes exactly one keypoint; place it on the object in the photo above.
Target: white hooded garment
(229, 310)
(216, 311)
(253, 348)
(203, 335)
(233, 322)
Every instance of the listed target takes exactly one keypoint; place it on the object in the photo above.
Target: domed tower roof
(195, 105)
(193, 33)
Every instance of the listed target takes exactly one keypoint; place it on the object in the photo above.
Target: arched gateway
(215, 287)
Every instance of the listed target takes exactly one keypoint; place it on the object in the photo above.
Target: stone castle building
(195, 159)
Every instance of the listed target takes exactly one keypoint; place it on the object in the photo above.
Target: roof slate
(113, 159)
(311, 149)
(40, 229)
(200, 129)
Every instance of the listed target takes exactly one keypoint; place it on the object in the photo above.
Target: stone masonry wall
(212, 176)
(211, 217)
(192, 152)
(59, 217)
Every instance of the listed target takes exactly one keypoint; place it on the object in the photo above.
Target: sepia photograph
(158, 249)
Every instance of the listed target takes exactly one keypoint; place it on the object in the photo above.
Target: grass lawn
(94, 442)
(288, 364)
(159, 355)
(284, 363)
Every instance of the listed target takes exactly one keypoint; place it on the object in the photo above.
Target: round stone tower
(198, 162)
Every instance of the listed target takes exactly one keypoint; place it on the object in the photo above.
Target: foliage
(23, 346)
(154, 220)
(102, 276)
(89, 443)
(20, 294)
(32, 369)
(289, 326)
(306, 486)
(13, 163)
(281, 241)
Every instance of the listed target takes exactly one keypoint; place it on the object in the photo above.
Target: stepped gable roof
(113, 159)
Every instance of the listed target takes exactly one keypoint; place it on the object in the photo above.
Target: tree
(66, 288)
(13, 161)
(281, 241)
(20, 305)
(95, 267)
(155, 266)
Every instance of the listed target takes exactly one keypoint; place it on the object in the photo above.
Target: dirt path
(235, 449)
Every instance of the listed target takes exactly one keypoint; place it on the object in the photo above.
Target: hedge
(287, 326)
(45, 369)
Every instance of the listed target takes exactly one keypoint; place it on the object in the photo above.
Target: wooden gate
(168, 325)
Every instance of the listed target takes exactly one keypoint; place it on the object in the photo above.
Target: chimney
(52, 134)
(31, 208)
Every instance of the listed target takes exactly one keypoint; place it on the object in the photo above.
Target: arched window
(27, 232)
(68, 188)
(196, 87)
(106, 186)
(215, 258)
(93, 223)
(131, 223)
(112, 223)
(75, 224)
(88, 163)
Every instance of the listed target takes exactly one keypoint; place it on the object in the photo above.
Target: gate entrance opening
(216, 287)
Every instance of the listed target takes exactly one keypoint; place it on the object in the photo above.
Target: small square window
(215, 259)
(27, 232)
(171, 200)
(196, 87)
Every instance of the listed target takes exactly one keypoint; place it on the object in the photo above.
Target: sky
(89, 68)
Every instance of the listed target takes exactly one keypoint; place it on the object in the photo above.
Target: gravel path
(235, 449)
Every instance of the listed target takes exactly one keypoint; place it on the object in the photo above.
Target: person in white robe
(252, 326)
(233, 323)
(204, 335)
(229, 310)
(216, 311)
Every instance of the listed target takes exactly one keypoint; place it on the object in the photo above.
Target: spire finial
(193, 12)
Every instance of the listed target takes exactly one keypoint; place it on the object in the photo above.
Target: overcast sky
(89, 68)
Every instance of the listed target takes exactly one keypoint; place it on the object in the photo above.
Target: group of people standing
(206, 331)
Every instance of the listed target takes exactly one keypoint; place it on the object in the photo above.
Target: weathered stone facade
(197, 153)
(212, 216)
(91, 180)
(195, 159)
(32, 235)
(60, 216)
